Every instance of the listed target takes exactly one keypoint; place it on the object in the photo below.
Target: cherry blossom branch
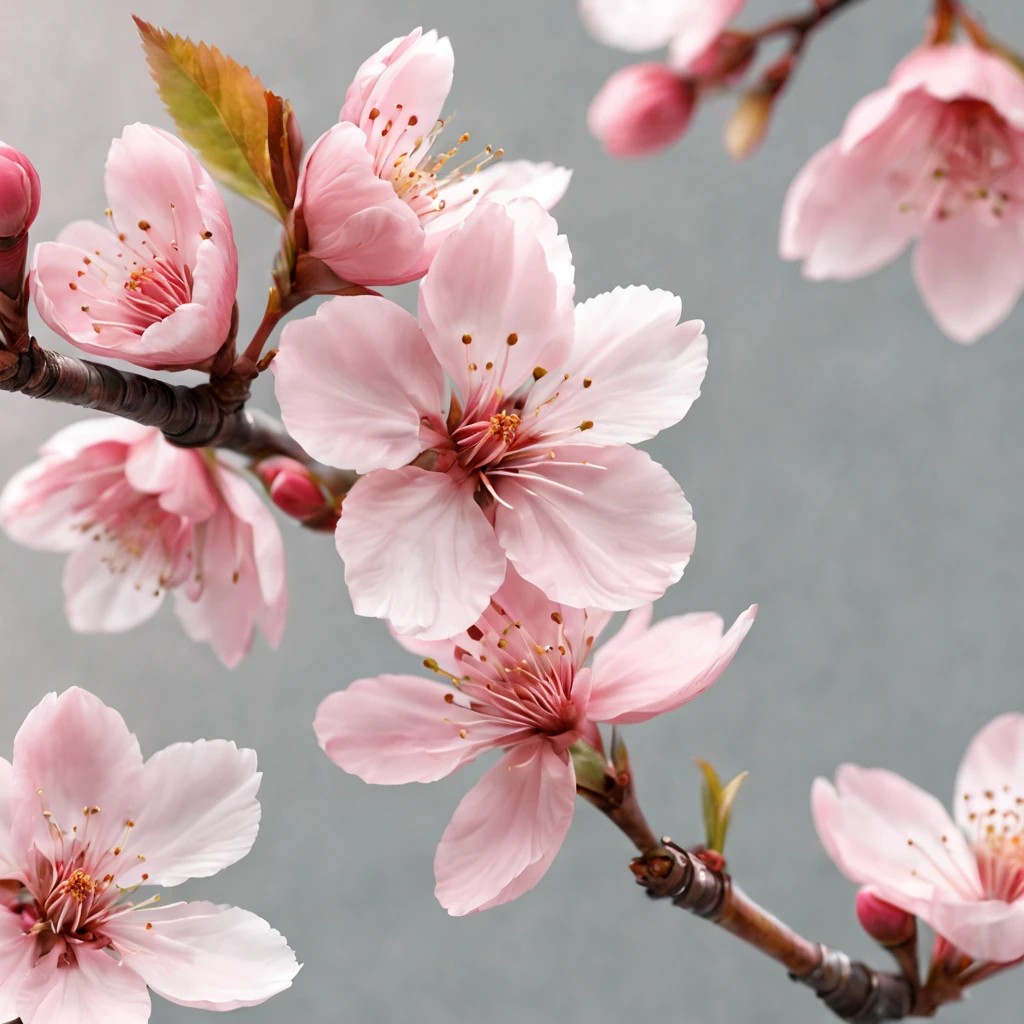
(850, 989)
(800, 26)
(211, 415)
(696, 880)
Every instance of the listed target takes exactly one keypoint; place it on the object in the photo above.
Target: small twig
(800, 26)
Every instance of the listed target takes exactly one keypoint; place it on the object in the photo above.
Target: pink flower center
(140, 536)
(484, 440)
(138, 285)
(998, 842)
(975, 166)
(419, 177)
(516, 682)
(72, 890)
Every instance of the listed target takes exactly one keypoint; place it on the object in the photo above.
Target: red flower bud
(296, 494)
(268, 469)
(19, 192)
(885, 923)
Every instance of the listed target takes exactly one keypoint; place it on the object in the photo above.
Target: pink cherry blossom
(156, 286)
(937, 155)
(641, 109)
(140, 517)
(522, 683)
(375, 201)
(687, 27)
(85, 823)
(530, 457)
(963, 875)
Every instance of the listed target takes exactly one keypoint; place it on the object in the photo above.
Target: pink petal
(964, 71)
(191, 334)
(95, 989)
(634, 369)
(101, 598)
(991, 773)
(18, 952)
(8, 856)
(353, 382)
(986, 930)
(868, 115)
(705, 21)
(263, 538)
(178, 475)
(357, 224)
(55, 266)
(409, 79)
(970, 273)
(152, 176)
(197, 813)
(418, 551)
(397, 729)
(72, 752)
(638, 25)
(490, 282)
(647, 674)
(42, 505)
(882, 830)
(615, 532)
(205, 956)
(241, 565)
(509, 825)
(533, 221)
(73, 439)
(843, 216)
(39, 511)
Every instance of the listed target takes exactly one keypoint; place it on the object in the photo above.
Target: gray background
(851, 470)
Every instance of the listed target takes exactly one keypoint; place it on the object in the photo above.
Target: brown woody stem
(851, 990)
(211, 415)
(696, 880)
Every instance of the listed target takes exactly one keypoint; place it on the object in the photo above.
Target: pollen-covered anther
(78, 886)
(504, 425)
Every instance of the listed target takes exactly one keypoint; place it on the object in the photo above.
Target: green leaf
(726, 799)
(716, 802)
(223, 112)
(709, 803)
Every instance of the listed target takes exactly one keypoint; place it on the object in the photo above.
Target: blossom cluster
(499, 517)
(935, 157)
(478, 465)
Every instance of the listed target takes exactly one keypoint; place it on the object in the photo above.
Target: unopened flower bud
(748, 125)
(886, 924)
(296, 495)
(642, 109)
(19, 192)
(268, 469)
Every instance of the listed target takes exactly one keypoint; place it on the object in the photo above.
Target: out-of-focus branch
(800, 26)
